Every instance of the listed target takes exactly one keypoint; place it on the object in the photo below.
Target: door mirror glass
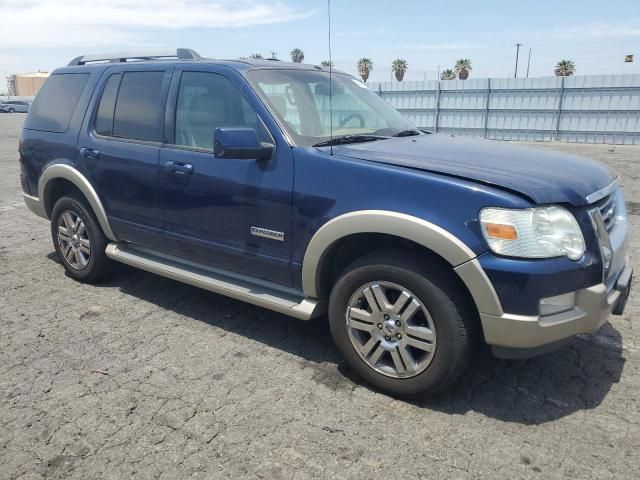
(240, 143)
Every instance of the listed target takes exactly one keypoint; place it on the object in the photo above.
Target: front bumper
(521, 336)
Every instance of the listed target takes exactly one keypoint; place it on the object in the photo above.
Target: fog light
(557, 304)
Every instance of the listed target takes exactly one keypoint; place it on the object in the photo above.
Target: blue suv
(300, 190)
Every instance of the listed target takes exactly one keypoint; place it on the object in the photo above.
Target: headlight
(542, 232)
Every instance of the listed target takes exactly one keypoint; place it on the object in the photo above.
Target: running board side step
(257, 292)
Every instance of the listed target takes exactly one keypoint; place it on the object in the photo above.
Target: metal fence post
(559, 112)
(437, 105)
(486, 108)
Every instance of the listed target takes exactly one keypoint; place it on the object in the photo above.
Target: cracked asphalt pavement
(143, 377)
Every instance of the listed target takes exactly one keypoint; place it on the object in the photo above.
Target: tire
(11, 110)
(434, 332)
(90, 264)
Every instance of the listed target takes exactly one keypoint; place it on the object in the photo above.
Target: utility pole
(518, 45)
(528, 62)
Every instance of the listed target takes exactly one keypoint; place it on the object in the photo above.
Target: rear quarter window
(56, 101)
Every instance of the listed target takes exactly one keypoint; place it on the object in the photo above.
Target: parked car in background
(302, 191)
(14, 106)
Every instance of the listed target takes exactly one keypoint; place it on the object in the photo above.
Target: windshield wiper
(407, 133)
(350, 139)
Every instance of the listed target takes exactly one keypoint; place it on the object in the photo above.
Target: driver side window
(207, 101)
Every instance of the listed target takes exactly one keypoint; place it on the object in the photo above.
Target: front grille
(608, 208)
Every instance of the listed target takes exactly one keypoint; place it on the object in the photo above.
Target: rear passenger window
(207, 101)
(104, 116)
(139, 112)
(56, 101)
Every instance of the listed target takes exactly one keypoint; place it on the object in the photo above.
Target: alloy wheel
(391, 329)
(73, 239)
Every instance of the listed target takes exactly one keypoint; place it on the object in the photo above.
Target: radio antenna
(330, 84)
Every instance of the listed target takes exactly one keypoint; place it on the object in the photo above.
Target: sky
(429, 35)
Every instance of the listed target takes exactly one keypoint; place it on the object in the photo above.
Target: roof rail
(179, 53)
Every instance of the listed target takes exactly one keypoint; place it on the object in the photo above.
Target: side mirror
(240, 143)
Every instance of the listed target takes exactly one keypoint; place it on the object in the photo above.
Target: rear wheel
(405, 327)
(79, 241)
(11, 110)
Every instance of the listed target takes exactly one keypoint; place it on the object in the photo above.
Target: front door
(216, 210)
(119, 148)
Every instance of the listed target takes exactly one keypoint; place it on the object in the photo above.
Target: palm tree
(399, 68)
(462, 68)
(365, 65)
(448, 74)
(326, 64)
(565, 68)
(297, 55)
(255, 56)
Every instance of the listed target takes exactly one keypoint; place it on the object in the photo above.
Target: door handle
(179, 168)
(89, 153)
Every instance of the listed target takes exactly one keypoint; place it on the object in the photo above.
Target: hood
(544, 176)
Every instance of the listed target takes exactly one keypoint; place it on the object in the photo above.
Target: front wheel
(402, 323)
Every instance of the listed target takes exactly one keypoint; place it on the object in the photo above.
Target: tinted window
(139, 112)
(104, 116)
(56, 101)
(207, 101)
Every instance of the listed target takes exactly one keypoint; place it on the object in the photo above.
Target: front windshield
(300, 99)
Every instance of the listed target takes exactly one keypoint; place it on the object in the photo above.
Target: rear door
(216, 210)
(119, 147)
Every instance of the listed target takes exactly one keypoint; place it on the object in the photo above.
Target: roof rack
(119, 57)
